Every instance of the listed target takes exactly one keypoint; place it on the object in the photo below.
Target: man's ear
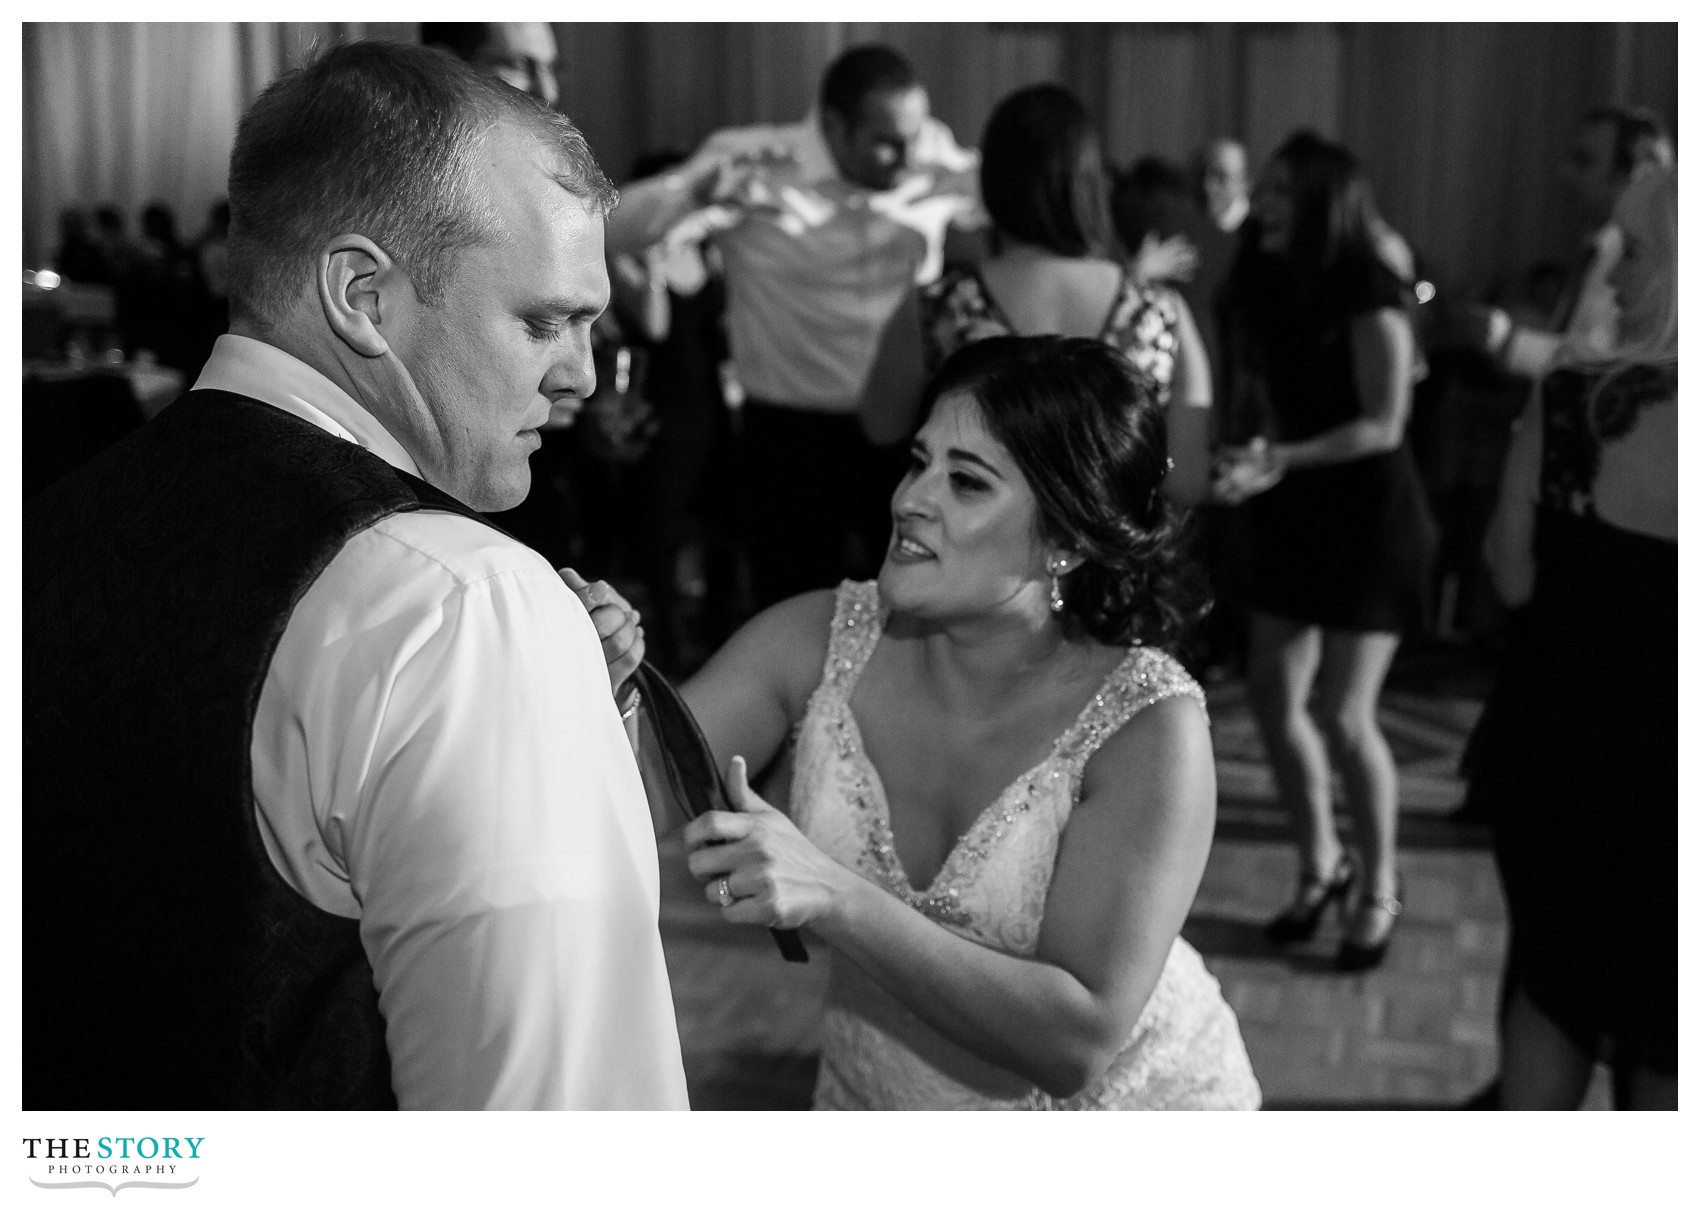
(360, 289)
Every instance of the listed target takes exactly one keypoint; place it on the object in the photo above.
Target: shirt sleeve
(475, 786)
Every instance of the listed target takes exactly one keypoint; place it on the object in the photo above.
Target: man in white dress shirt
(839, 217)
(434, 749)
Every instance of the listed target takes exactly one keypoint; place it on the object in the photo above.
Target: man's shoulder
(449, 548)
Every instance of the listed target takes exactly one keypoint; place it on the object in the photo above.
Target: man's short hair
(379, 139)
(1638, 136)
(861, 72)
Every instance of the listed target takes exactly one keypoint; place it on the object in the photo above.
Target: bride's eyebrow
(958, 453)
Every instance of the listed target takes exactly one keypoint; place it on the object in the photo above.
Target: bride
(1003, 793)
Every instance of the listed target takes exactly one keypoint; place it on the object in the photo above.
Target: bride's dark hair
(1087, 430)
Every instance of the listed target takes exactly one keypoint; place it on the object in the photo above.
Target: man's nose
(573, 373)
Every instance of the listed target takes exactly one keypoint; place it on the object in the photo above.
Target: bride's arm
(1127, 869)
(750, 693)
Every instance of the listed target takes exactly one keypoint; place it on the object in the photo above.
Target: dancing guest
(1340, 532)
(1224, 183)
(523, 54)
(1583, 784)
(1152, 216)
(840, 215)
(1003, 794)
(1044, 186)
(1612, 144)
(342, 754)
(1155, 193)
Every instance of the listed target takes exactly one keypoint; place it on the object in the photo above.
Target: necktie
(691, 770)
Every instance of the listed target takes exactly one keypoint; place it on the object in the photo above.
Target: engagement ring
(724, 892)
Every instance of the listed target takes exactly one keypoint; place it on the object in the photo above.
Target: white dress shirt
(816, 264)
(436, 753)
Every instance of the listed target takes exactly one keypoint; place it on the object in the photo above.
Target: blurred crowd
(169, 293)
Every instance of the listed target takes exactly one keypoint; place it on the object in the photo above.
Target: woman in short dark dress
(1341, 536)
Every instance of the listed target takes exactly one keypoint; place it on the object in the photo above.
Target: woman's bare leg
(1282, 666)
(1354, 666)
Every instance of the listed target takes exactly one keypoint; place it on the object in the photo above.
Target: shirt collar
(263, 372)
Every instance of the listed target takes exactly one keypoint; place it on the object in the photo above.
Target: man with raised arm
(838, 217)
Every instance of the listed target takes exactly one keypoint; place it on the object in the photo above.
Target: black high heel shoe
(1355, 957)
(1299, 920)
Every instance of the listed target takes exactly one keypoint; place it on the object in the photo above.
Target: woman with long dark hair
(1340, 533)
(1003, 792)
(1583, 780)
(1055, 268)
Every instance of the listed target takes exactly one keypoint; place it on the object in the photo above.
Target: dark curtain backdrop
(1461, 126)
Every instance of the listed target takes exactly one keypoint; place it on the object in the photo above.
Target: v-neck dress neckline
(972, 843)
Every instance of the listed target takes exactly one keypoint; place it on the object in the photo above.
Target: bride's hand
(774, 876)
(618, 626)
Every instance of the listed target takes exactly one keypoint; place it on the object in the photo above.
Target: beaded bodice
(991, 887)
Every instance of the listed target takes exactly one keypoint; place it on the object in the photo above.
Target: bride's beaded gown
(1185, 1050)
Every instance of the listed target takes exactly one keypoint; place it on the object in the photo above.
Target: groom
(327, 802)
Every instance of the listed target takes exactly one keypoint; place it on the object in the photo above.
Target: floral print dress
(1142, 323)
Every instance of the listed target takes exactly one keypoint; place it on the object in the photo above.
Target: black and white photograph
(762, 566)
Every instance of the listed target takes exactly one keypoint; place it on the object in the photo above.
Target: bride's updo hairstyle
(1088, 433)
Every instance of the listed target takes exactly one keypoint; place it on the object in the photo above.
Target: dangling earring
(1055, 568)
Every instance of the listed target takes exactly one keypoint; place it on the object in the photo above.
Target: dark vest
(166, 964)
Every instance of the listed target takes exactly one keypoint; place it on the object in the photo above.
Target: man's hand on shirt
(739, 178)
(618, 626)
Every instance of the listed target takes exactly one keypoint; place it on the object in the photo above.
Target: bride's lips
(905, 550)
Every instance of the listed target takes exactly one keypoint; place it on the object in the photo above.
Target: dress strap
(1143, 677)
(856, 626)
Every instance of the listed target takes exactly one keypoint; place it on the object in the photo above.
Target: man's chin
(494, 498)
